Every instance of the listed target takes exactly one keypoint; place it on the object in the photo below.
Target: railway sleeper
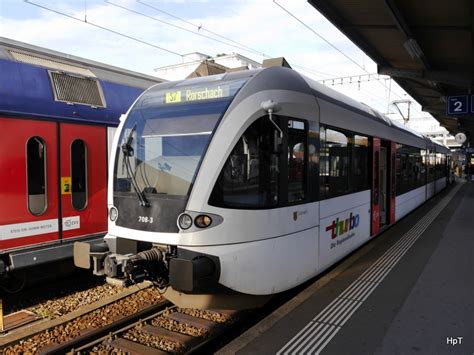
(187, 341)
(186, 319)
(134, 348)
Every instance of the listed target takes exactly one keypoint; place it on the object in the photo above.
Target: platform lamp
(413, 48)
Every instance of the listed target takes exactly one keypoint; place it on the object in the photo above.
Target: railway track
(141, 323)
(135, 322)
(40, 335)
(158, 330)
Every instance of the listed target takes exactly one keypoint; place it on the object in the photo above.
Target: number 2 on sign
(457, 106)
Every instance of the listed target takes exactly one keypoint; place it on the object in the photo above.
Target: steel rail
(93, 336)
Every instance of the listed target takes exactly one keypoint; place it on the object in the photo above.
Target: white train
(228, 189)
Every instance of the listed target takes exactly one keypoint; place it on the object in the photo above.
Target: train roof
(245, 74)
(340, 99)
(27, 53)
(334, 96)
(284, 78)
(44, 84)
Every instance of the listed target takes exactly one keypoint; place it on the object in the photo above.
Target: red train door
(384, 191)
(393, 190)
(383, 184)
(83, 180)
(375, 215)
(28, 183)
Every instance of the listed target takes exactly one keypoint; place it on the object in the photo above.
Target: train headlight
(202, 221)
(185, 221)
(113, 214)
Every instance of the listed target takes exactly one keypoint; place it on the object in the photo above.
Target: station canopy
(426, 46)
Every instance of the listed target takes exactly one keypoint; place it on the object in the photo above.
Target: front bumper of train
(184, 270)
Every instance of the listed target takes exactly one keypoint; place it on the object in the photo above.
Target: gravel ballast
(98, 318)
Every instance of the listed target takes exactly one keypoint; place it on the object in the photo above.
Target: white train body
(282, 203)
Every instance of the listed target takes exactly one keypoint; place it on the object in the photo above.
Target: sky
(164, 30)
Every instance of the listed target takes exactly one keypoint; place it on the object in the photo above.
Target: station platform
(409, 291)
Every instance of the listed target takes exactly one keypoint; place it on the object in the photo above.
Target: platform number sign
(460, 105)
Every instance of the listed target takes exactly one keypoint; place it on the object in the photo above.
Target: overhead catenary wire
(85, 21)
(332, 46)
(351, 79)
(309, 70)
(256, 51)
(239, 46)
(125, 35)
(312, 71)
(180, 28)
(320, 36)
(375, 99)
(358, 80)
(202, 28)
(103, 28)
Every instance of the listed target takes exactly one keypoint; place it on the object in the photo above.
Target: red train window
(36, 175)
(79, 174)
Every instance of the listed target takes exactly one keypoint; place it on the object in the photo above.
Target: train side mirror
(270, 107)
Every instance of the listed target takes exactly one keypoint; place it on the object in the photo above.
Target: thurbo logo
(339, 227)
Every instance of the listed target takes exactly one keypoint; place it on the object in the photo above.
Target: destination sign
(196, 94)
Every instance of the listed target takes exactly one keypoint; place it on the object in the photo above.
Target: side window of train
(296, 161)
(334, 163)
(250, 176)
(440, 165)
(79, 174)
(404, 170)
(323, 165)
(411, 165)
(360, 163)
(432, 165)
(36, 175)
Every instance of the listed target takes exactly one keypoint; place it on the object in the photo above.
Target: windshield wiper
(127, 150)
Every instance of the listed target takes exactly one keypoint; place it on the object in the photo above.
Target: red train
(58, 114)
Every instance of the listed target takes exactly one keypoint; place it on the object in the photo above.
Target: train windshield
(165, 137)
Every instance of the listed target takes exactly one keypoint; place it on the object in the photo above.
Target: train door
(375, 215)
(383, 198)
(28, 183)
(392, 180)
(430, 188)
(383, 184)
(83, 152)
(387, 182)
